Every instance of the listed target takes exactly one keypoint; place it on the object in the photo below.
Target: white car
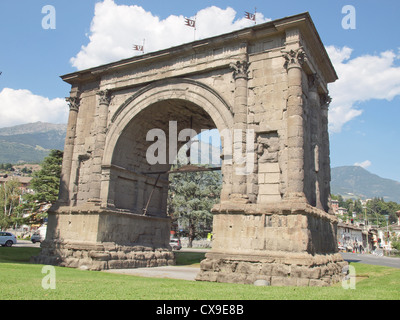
(7, 239)
(175, 244)
(39, 235)
(36, 237)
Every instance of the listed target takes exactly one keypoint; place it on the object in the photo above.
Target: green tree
(6, 166)
(379, 210)
(45, 183)
(191, 198)
(25, 170)
(10, 193)
(358, 208)
(339, 198)
(349, 205)
(396, 244)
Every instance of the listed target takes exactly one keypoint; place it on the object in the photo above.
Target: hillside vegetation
(30, 143)
(356, 181)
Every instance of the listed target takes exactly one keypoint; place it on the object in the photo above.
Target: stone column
(63, 197)
(295, 125)
(97, 154)
(325, 159)
(239, 179)
(315, 119)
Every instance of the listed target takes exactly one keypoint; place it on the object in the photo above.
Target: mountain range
(30, 143)
(356, 182)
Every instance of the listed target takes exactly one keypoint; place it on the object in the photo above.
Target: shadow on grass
(17, 254)
(189, 258)
(23, 255)
(352, 260)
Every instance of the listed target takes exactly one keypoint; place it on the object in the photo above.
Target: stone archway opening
(169, 137)
(148, 147)
(195, 187)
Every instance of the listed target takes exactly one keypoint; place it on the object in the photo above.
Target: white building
(349, 237)
(389, 233)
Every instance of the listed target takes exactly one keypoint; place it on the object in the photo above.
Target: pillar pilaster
(239, 180)
(74, 103)
(325, 161)
(295, 124)
(104, 99)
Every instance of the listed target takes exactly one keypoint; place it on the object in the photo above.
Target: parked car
(175, 244)
(36, 237)
(39, 235)
(7, 239)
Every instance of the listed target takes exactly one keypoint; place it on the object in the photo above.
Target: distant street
(372, 259)
(26, 243)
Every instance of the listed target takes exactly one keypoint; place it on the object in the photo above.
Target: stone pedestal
(285, 243)
(82, 239)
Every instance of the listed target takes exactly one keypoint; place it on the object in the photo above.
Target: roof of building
(350, 226)
(23, 180)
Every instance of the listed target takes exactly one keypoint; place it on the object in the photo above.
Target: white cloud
(361, 79)
(116, 28)
(365, 164)
(22, 106)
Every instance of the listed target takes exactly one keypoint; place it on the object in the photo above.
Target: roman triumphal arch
(265, 89)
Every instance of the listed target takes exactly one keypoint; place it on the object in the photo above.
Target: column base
(95, 239)
(276, 269)
(287, 243)
(101, 256)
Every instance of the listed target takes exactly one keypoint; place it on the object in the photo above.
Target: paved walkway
(170, 272)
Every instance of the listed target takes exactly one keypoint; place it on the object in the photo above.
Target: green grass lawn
(20, 280)
(189, 258)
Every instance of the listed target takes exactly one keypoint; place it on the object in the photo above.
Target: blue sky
(364, 114)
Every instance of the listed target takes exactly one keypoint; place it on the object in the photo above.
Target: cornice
(246, 35)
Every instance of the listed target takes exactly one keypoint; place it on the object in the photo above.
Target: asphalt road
(26, 243)
(372, 259)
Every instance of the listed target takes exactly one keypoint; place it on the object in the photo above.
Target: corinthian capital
(74, 103)
(294, 58)
(104, 96)
(240, 69)
(325, 100)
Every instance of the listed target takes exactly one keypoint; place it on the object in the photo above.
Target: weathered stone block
(100, 256)
(265, 198)
(268, 167)
(269, 188)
